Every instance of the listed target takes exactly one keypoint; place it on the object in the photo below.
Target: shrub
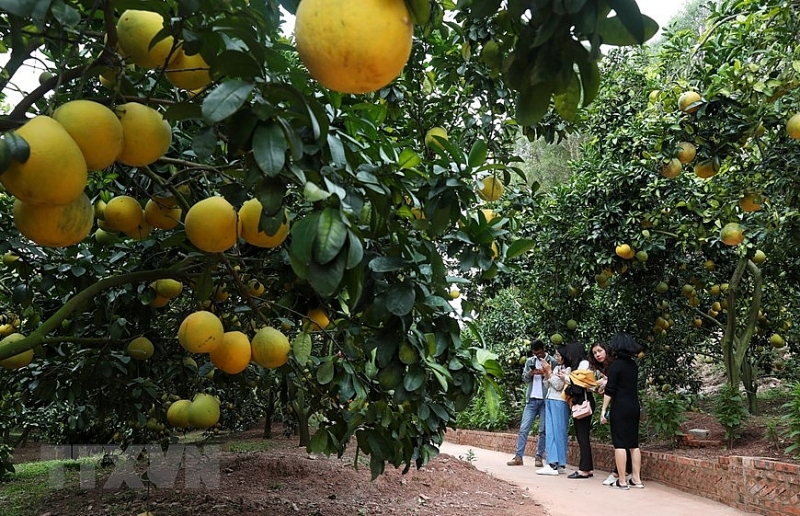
(477, 416)
(792, 419)
(665, 415)
(730, 412)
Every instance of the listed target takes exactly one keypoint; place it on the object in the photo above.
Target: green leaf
(325, 279)
(420, 10)
(337, 150)
(302, 242)
(401, 299)
(519, 247)
(477, 154)
(590, 77)
(204, 143)
(386, 264)
(484, 8)
(409, 158)
(269, 148)
(491, 393)
(566, 103)
(225, 100)
(533, 103)
(27, 8)
(355, 250)
(17, 146)
(613, 31)
(301, 348)
(331, 235)
(325, 373)
(630, 16)
(414, 378)
(320, 442)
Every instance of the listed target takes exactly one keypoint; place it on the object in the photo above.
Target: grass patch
(23, 493)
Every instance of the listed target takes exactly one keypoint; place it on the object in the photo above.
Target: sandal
(634, 484)
(617, 485)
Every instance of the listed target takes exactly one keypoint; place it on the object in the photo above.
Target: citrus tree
(680, 222)
(273, 217)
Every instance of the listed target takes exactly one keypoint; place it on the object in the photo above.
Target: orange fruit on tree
(96, 130)
(671, 168)
(625, 251)
(178, 413)
(212, 225)
(146, 134)
(189, 72)
(159, 302)
(250, 217)
(270, 348)
(491, 188)
(20, 359)
(751, 202)
(141, 231)
(686, 152)
(319, 319)
(732, 234)
(353, 46)
(233, 355)
(55, 172)
(793, 127)
(686, 99)
(432, 133)
(200, 332)
(706, 169)
(161, 215)
(55, 226)
(141, 348)
(136, 30)
(123, 213)
(203, 412)
(168, 288)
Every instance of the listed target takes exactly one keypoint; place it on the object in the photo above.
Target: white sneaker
(547, 470)
(610, 480)
(562, 470)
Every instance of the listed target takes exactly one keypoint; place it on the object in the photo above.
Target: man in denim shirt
(535, 394)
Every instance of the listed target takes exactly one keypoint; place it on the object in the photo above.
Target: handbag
(582, 409)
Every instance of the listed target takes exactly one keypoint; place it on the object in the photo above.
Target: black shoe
(575, 474)
(617, 485)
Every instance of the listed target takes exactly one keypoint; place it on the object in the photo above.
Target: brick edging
(753, 484)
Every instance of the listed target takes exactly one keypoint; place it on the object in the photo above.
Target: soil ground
(277, 477)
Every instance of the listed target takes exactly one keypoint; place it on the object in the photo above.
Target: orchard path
(567, 497)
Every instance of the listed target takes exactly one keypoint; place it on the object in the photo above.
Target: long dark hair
(573, 354)
(600, 366)
(622, 345)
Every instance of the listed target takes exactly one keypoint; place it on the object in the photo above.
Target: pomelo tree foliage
(392, 370)
(746, 67)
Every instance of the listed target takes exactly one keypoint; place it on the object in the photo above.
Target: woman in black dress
(622, 388)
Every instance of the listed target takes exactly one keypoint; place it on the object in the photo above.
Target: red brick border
(752, 484)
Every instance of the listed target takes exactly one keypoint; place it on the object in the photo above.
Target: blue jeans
(557, 431)
(534, 407)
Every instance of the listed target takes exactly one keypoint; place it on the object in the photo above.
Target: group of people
(570, 378)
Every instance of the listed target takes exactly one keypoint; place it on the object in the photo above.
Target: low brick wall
(752, 484)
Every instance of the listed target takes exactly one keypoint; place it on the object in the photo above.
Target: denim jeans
(534, 407)
(557, 431)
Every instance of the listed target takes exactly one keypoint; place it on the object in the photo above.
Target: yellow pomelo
(96, 130)
(141, 348)
(146, 134)
(189, 72)
(141, 231)
(178, 413)
(55, 172)
(55, 226)
(759, 256)
(123, 213)
(672, 168)
(732, 234)
(777, 341)
(706, 169)
(136, 30)
(751, 202)
(159, 302)
(255, 288)
(625, 251)
(686, 99)
(250, 216)
(19, 360)
(430, 141)
(168, 287)
(270, 348)
(203, 411)
(353, 46)
(200, 332)
(491, 189)
(162, 216)
(319, 319)
(212, 225)
(233, 355)
(686, 152)
(793, 127)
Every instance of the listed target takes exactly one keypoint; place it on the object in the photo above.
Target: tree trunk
(750, 387)
(269, 413)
